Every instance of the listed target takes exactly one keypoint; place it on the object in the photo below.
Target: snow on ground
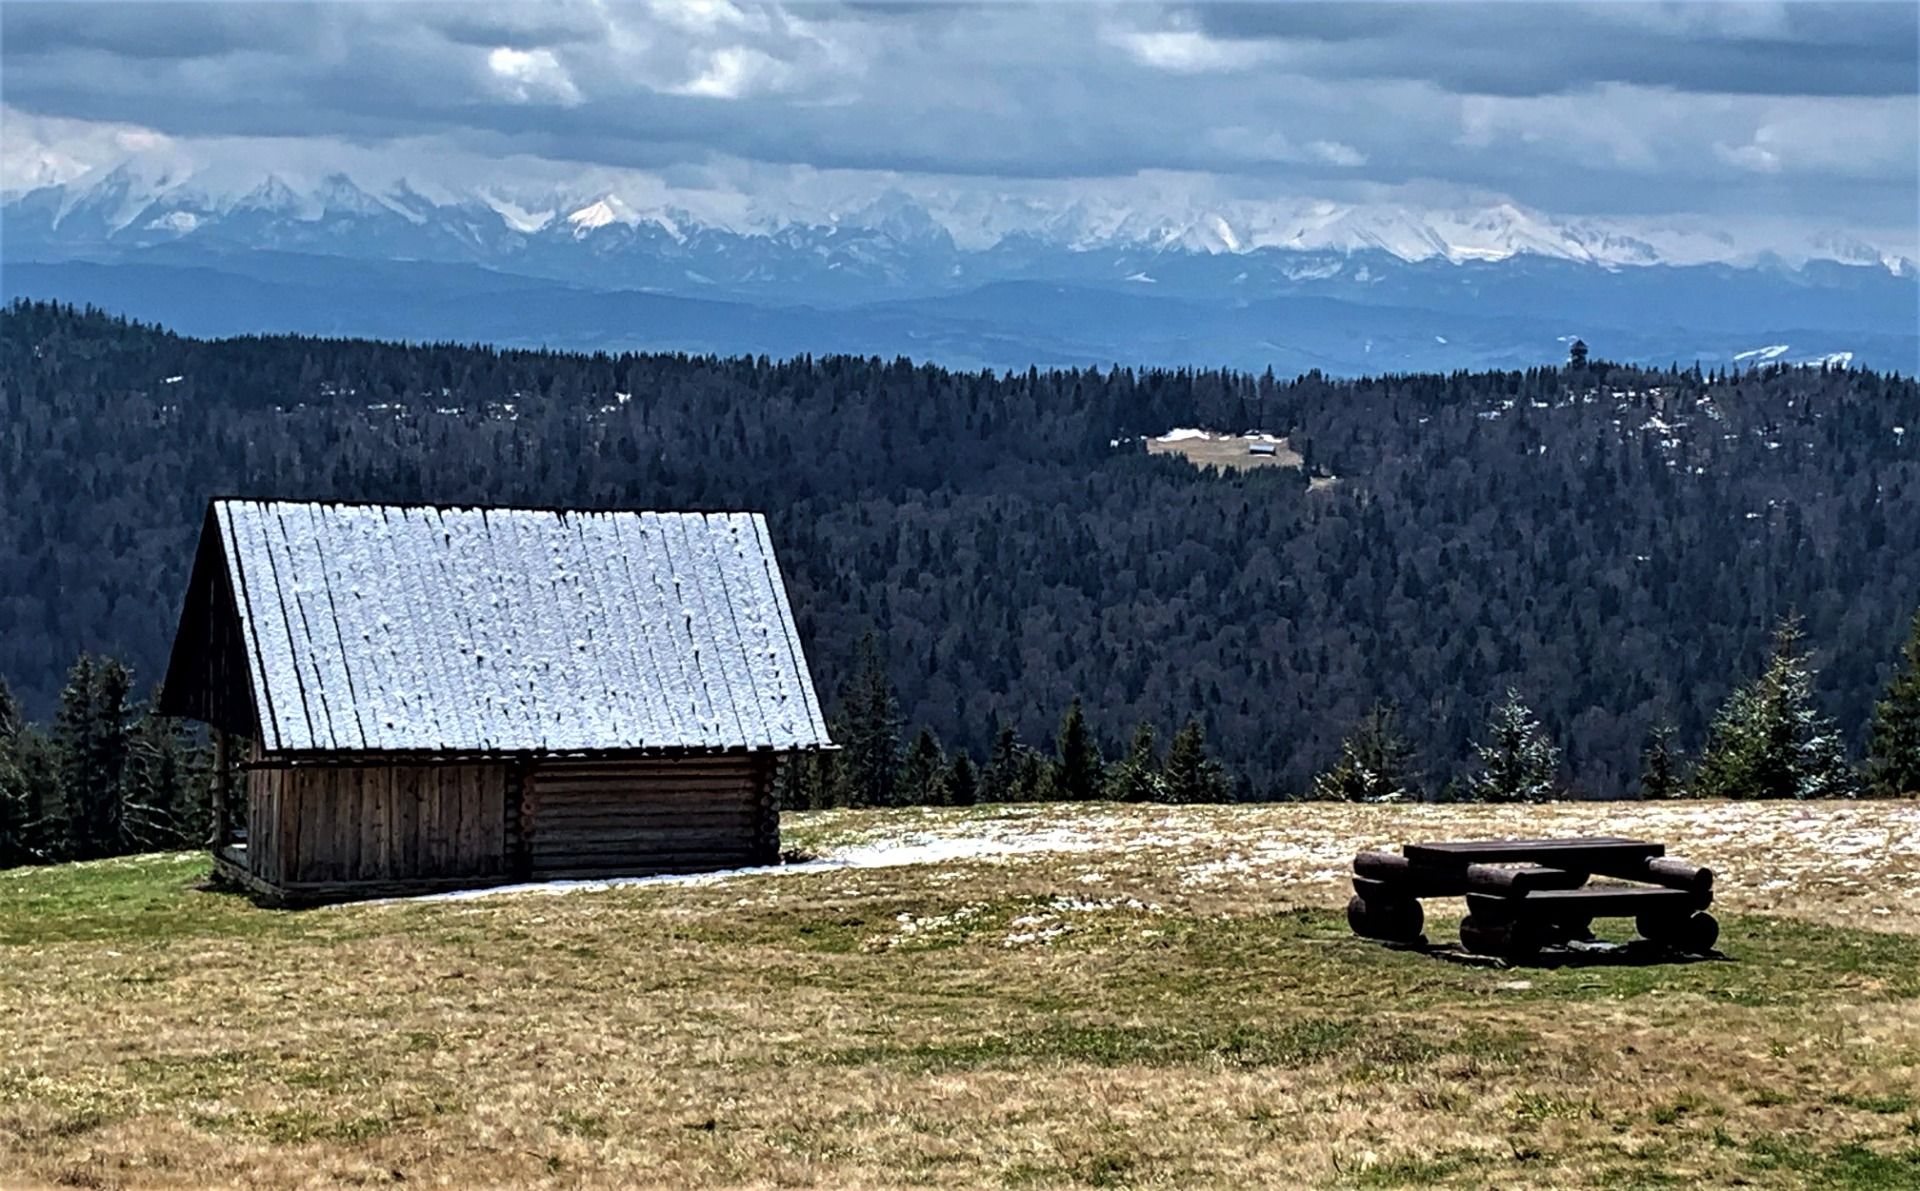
(1182, 434)
(1849, 863)
(912, 849)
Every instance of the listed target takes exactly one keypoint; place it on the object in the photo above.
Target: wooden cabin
(434, 698)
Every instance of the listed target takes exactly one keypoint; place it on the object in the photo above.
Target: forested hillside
(1613, 543)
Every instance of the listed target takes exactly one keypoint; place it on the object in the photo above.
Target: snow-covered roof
(420, 628)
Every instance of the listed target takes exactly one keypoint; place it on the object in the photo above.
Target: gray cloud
(1868, 49)
(1621, 108)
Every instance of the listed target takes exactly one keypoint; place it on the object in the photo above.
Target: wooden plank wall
(263, 824)
(334, 824)
(602, 818)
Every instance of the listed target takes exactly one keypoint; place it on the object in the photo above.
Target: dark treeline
(106, 778)
(1614, 544)
(110, 777)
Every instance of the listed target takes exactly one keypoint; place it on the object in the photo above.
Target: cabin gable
(209, 672)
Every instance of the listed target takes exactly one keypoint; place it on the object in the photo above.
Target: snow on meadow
(1850, 863)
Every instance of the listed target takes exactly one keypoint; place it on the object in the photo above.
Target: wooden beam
(222, 768)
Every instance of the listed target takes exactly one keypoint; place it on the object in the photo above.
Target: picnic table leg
(1511, 939)
(1394, 920)
(1695, 933)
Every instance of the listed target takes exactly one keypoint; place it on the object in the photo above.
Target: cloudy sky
(1799, 114)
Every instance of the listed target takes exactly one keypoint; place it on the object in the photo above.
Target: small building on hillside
(437, 698)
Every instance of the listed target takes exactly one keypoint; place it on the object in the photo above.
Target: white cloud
(1753, 157)
(532, 76)
(48, 150)
(1186, 51)
(1260, 145)
(737, 71)
(1627, 108)
(1335, 153)
(706, 17)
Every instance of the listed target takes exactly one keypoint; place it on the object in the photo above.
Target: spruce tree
(13, 808)
(1770, 741)
(161, 806)
(1190, 775)
(790, 783)
(1660, 764)
(923, 775)
(1376, 763)
(1077, 767)
(74, 732)
(30, 787)
(1032, 777)
(1137, 777)
(963, 781)
(1893, 744)
(869, 762)
(1002, 774)
(11, 719)
(1516, 763)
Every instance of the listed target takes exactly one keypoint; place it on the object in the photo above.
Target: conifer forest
(1594, 581)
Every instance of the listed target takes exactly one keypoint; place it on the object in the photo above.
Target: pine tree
(1660, 764)
(1376, 763)
(1190, 775)
(1517, 763)
(1077, 767)
(923, 775)
(1770, 741)
(1137, 776)
(869, 762)
(963, 781)
(1893, 745)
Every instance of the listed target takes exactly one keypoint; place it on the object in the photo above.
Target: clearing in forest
(1024, 996)
(1207, 448)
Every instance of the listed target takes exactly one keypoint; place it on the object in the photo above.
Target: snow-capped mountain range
(138, 204)
(1147, 271)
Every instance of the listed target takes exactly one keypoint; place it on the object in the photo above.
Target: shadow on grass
(1636, 954)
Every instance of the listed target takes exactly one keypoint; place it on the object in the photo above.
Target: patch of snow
(1142, 278)
(1182, 434)
(172, 380)
(1772, 351)
(175, 221)
(892, 853)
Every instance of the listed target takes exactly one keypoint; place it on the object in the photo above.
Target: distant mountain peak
(639, 230)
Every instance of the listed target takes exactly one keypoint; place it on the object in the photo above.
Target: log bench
(1523, 895)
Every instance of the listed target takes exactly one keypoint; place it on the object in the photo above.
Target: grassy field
(1226, 450)
(1017, 997)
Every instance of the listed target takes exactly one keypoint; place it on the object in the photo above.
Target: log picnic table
(1526, 894)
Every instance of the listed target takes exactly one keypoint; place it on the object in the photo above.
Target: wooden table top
(1554, 853)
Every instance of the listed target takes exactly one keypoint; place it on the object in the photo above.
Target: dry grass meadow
(1226, 450)
(1038, 997)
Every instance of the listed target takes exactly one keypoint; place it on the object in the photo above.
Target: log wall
(592, 818)
(324, 832)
